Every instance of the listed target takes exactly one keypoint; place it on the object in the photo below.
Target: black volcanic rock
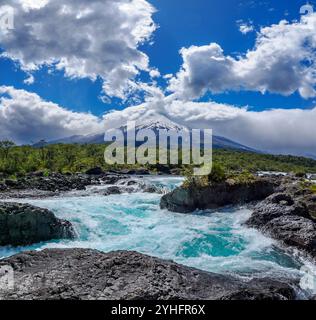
(162, 169)
(95, 171)
(54, 182)
(294, 231)
(84, 274)
(289, 216)
(111, 178)
(275, 206)
(11, 183)
(193, 197)
(113, 190)
(131, 186)
(23, 224)
(3, 186)
(138, 172)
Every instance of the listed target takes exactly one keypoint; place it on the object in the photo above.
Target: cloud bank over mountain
(25, 117)
(277, 131)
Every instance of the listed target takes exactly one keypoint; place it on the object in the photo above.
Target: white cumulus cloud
(85, 38)
(283, 61)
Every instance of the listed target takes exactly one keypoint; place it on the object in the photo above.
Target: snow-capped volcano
(160, 123)
(156, 124)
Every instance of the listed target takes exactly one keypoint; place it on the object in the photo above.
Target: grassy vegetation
(218, 175)
(307, 185)
(238, 160)
(313, 188)
(20, 160)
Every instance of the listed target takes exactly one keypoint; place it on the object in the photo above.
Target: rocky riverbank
(37, 185)
(23, 224)
(289, 215)
(91, 275)
(51, 184)
(64, 182)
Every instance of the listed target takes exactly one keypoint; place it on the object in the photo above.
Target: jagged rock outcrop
(23, 224)
(194, 197)
(289, 215)
(275, 206)
(90, 275)
(294, 231)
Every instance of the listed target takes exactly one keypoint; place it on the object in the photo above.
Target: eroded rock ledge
(289, 215)
(89, 274)
(23, 224)
(193, 197)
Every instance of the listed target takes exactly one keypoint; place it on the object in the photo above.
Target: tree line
(73, 158)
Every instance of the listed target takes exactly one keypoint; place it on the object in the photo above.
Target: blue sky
(231, 65)
(182, 23)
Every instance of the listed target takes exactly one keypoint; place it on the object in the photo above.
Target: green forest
(73, 158)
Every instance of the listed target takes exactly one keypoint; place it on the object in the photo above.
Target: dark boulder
(11, 183)
(23, 224)
(151, 189)
(132, 183)
(111, 178)
(113, 190)
(135, 172)
(142, 172)
(3, 187)
(95, 171)
(162, 169)
(76, 274)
